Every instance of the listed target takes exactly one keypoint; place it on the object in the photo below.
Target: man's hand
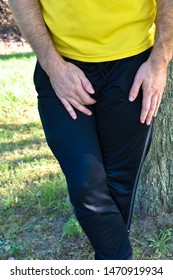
(151, 76)
(152, 79)
(72, 87)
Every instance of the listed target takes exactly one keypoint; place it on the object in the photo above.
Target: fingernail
(92, 91)
(131, 98)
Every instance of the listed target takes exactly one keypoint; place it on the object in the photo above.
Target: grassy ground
(36, 218)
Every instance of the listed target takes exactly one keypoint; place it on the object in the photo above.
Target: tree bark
(155, 189)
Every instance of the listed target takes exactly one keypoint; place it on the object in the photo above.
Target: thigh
(73, 142)
(122, 137)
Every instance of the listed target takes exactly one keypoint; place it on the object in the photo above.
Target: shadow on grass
(28, 159)
(20, 128)
(23, 127)
(17, 56)
(50, 193)
(12, 146)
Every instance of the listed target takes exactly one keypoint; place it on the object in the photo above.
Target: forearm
(162, 51)
(30, 20)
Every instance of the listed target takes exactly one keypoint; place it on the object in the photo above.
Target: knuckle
(78, 89)
(145, 108)
(64, 101)
(86, 83)
(133, 91)
(70, 94)
(68, 107)
(78, 106)
(82, 74)
(69, 110)
(152, 108)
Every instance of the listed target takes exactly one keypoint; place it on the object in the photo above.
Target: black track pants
(101, 155)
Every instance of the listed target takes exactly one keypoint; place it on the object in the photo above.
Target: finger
(69, 108)
(152, 109)
(80, 107)
(74, 95)
(146, 101)
(157, 106)
(84, 96)
(135, 88)
(86, 83)
(156, 112)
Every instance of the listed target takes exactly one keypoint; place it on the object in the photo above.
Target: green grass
(36, 217)
(32, 187)
(159, 241)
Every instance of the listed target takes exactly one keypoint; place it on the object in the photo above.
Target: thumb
(135, 88)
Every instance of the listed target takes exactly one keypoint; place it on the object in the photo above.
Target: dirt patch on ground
(11, 40)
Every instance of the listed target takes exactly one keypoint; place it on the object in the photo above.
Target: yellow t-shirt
(100, 30)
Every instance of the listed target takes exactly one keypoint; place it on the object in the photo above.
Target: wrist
(160, 57)
(51, 60)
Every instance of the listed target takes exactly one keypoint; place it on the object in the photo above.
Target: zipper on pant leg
(138, 175)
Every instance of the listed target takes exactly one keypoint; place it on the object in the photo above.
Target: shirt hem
(107, 58)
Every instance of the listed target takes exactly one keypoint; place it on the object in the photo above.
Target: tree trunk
(155, 189)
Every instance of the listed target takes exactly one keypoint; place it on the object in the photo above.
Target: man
(100, 76)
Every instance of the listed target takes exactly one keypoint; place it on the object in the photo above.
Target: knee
(87, 185)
